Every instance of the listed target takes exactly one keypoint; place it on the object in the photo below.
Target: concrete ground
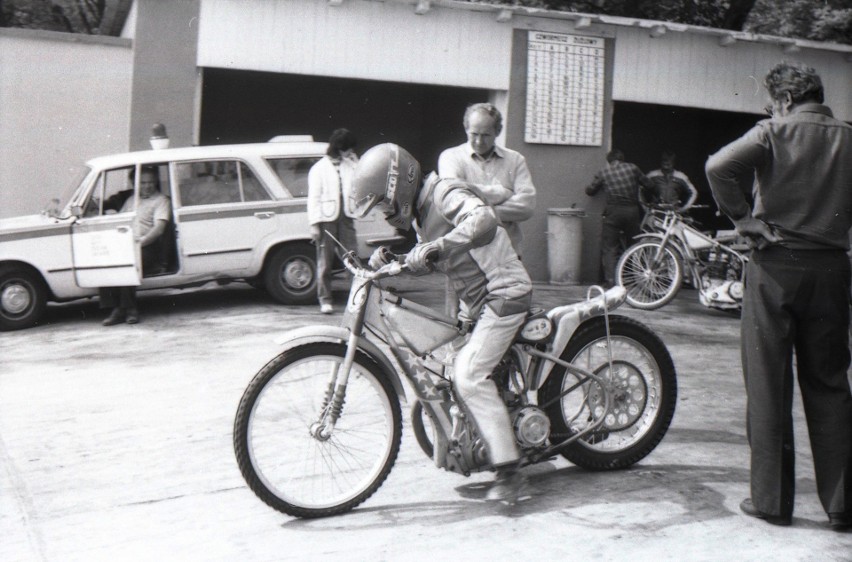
(115, 444)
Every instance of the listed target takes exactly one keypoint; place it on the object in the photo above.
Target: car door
(223, 215)
(103, 251)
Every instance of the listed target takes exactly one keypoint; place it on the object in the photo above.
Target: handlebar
(668, 207)
(353, 265)
(393, 267)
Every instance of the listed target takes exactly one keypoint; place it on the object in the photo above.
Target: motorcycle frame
(365, 320)
(673, 232)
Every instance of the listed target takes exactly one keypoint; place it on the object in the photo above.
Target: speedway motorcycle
(669, 251)
(318, 428)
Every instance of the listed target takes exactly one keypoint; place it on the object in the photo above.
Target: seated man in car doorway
(153, 216)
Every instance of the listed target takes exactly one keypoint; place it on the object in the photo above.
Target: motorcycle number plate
(357, 296)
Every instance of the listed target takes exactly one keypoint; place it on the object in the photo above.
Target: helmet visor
(365, 204)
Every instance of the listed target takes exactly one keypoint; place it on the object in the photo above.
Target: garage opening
(643, 131)
(245, 106)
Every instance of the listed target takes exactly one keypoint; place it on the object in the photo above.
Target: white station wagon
(239, 212)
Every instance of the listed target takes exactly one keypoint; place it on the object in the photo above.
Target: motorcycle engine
(721, 280)
(531, 425)
(724, 295)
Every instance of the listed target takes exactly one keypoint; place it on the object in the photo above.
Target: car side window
(113, 193)
(214, 182)
(293, 173)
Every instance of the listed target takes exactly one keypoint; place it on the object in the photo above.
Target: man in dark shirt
(797, 290)
(622, 216)
(671, 187)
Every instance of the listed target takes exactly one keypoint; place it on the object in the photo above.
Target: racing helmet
(387, 178)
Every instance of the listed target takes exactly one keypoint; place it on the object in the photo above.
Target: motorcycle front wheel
(291, 465)
(652, 275)
(642, 404)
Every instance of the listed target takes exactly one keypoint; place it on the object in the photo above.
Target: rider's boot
(510, 486)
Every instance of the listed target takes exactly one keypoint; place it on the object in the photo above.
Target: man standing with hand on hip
(797, 290)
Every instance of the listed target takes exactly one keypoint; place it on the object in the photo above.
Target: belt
(622, 204)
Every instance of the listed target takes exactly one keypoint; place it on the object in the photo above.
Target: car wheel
(291, 274)
(23, 298)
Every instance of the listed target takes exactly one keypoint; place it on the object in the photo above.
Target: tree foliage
(72, 16)
(818, 20)
(804, 19)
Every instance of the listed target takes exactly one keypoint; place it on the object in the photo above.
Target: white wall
(688, 69)
(63, 99)
(357, 39)
(458, 44)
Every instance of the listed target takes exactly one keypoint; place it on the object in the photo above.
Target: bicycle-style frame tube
(682, 231)
(674, 228)
(365, 311)
(583, 377)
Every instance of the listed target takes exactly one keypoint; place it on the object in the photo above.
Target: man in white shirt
(329, 184)
(499, 174)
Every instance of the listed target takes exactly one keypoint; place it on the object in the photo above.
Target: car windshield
(59, 206)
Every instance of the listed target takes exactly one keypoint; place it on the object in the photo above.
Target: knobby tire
(643, 367)
(283, 462)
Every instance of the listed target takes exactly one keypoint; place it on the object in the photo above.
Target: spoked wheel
(652, 275)
(284, 451)
(643, 402)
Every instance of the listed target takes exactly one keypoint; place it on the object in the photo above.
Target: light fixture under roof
(727, 40)
(583, 22)
(658, 31)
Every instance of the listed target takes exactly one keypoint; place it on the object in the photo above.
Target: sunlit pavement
(115, 444)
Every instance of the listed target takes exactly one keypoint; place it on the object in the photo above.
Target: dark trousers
(620, 225)
(125, 297)
(117, 297)
(344, 230)
(798, 300)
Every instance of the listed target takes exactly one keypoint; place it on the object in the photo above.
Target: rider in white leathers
(461, 234)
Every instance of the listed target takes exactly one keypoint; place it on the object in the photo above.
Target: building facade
(571, 86)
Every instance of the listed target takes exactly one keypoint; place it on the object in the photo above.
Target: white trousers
(488, 342)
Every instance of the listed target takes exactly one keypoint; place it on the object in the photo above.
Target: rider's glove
(381, 256)
(421, 257)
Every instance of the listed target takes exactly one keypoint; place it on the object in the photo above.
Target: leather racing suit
(494, 288)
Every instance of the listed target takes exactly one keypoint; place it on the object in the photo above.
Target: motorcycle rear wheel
(644, 404)
(651, 282)
(278, 451)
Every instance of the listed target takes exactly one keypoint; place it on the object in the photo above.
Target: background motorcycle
(318, 428)
(670, 250)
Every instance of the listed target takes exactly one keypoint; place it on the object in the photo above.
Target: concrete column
(166, 80)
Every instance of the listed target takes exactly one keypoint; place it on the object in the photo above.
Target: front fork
(662, 247)
(335, 394)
